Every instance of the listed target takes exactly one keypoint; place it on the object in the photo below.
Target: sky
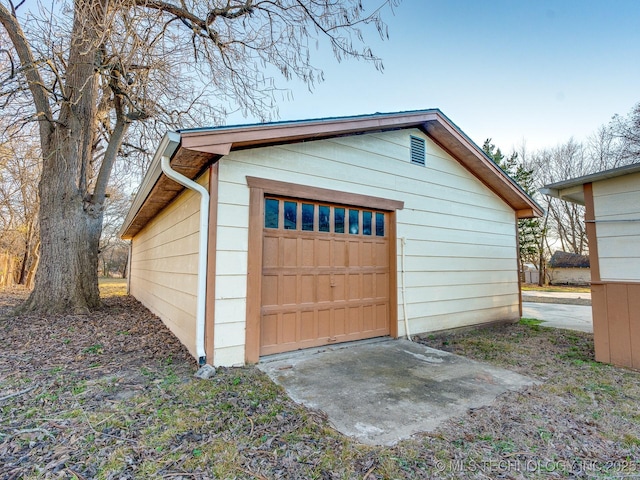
(538, 72)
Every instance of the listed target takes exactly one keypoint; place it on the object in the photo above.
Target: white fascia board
(168, 146)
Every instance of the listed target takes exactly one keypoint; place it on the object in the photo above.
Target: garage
(309, 233)
(325, 274)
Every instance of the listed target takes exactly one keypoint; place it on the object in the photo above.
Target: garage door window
(271, 208)
(322, 218)
(380, 224)
(338, 215)
(324, 222)
(308, 211)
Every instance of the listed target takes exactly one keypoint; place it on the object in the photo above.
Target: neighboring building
(530, 274)
(566, 268)
(612, 201)
(324, 231)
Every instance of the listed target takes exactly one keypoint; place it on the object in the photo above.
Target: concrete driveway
(568, 310)
(381, 392)
(570, 317)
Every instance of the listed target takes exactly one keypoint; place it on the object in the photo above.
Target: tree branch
(36, 85)
(110, 153)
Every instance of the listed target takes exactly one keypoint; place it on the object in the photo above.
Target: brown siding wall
(616, 323)
(615, 305)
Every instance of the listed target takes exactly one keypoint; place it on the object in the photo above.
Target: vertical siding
(460, 243)
(617, 213)
(164, 265)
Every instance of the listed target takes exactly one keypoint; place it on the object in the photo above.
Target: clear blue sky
(539, 71)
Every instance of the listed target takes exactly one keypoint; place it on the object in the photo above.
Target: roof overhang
(572, 190)
(192, 150)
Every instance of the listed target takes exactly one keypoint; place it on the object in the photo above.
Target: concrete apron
(385, 391)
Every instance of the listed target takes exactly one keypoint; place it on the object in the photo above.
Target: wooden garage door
(325, 274)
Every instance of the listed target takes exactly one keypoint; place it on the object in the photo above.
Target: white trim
(168, 145)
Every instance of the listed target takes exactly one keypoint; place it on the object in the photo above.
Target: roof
(192, 150)
(571, 190)
(568, 260)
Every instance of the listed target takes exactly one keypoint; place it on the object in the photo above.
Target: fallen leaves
(111, 395)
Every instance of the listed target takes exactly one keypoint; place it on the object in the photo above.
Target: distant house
(566, 268)
(530, 273)
(612, 201)
(315, 232)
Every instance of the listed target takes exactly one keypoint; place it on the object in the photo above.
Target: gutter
(161, 164)
(202, 253)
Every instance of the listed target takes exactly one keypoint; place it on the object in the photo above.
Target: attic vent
(417, 150)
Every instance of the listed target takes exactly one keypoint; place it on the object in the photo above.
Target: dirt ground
(111, 395)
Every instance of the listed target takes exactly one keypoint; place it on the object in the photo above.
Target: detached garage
(259, 239)
(612, 217)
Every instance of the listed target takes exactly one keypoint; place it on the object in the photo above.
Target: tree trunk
(70, 218)
(33, 268)
(28, 251)
(70, 227)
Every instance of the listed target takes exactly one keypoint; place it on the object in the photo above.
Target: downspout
(202, 252)
(403, 241)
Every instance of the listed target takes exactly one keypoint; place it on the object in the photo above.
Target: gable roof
(571, 190)
(192, 150)
(568, 260)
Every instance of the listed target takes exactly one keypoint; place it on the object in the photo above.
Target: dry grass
(112, 396)
(555, 288)
(112, 287)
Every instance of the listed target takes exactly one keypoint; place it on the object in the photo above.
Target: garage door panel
(287, 333)
(308, 248)
(289, 252)
(324, 323)
(366, 254)
(324, 290)
(354, 254)
(339, 253)
(368, 285)
(289, 290)
(382, 314)
(354, 287)
(382, 255)
(269, 329)
(338, 283)
(354, 320)
(323, 252)
(307, 289)
(339, 322)
(322, 284)
(270, 290)
(308, 326)
(368, 318)
(270, 249)
(382, 285)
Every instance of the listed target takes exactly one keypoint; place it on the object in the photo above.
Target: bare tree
(612, 145)
(95, 75)
(19, 204)
(625, 130)
(565, 220)
(114, 251)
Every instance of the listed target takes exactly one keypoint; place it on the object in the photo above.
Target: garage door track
(381, 392)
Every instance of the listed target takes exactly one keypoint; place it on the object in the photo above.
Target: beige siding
(164, 265)
(460, 238)
(569, 276)
(617, 212)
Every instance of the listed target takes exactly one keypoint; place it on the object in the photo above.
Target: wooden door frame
(258, 188)
(212, 248)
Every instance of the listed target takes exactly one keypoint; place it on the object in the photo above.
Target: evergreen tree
(530, 231)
